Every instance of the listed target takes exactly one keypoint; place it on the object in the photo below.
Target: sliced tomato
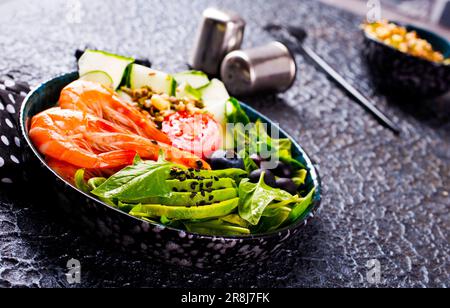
(197, 133)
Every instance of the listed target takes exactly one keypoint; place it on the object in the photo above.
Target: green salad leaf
(80, 182)
(272, 218)
(254, 198)
(281, 148)
(139, 181)
(236, 220)
(216, 227)
(300, 177)
(93, 183)
(255, 139)
(234, 112)
(301, 207)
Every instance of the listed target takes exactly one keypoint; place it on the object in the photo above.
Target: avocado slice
(191, 198)
(198, 186)
(236, 174)
(186, 213)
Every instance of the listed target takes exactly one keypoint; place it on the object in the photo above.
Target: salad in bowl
(171, 150)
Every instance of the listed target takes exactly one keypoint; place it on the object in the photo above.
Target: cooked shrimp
(145, 148)
(86, 141)
(67, 171)
(95, 99)
(59, 134)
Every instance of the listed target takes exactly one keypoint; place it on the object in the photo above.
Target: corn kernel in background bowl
(407, 61)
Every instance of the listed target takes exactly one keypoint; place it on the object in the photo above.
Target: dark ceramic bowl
(152, 240)
(402, 75)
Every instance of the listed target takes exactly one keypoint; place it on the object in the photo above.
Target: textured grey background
(385, 197)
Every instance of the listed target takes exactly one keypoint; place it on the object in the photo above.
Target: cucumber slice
(215, 97)
(196, 79)
(100, 77)
(186, 91)
(159, 82)
(113, 65)
(124, 96)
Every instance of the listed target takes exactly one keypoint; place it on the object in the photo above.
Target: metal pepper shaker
(269, 68)
(219, 33)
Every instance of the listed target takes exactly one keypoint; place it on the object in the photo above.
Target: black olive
(199, 164)
(287, 185)
(221, 160)
(269, 178)
(257, 159)
(283, 170)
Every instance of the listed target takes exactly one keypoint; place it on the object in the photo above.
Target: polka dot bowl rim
(313, 174)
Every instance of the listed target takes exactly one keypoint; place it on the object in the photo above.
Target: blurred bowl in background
(403, 75)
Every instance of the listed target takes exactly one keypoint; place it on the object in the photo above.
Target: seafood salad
(174, 149)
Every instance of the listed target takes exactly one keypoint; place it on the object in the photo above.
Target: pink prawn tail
(114, 159)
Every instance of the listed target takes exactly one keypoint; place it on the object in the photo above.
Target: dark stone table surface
(385, 197)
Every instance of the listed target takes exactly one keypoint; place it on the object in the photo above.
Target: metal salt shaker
(269, 68)
(220, 32)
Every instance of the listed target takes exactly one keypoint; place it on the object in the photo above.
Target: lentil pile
(160, 106)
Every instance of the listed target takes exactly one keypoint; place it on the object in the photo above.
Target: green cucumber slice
(125, 96)
(100, 77)
(195, 79)
(186, 91)
(159, 82)
(113, 65)
(215, 97)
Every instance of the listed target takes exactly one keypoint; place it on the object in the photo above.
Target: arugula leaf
(234, 112)
(125, 207)
(254, 198)
(90, 185)
(137, 182)
(80, 183)
(249, 163)
(282, 148)
(95, 182)
(272, 218)
(300, 177)
(256, 140)
(300, 208)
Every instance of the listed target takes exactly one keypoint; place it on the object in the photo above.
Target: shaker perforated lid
(269, 68)
(219, 33)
